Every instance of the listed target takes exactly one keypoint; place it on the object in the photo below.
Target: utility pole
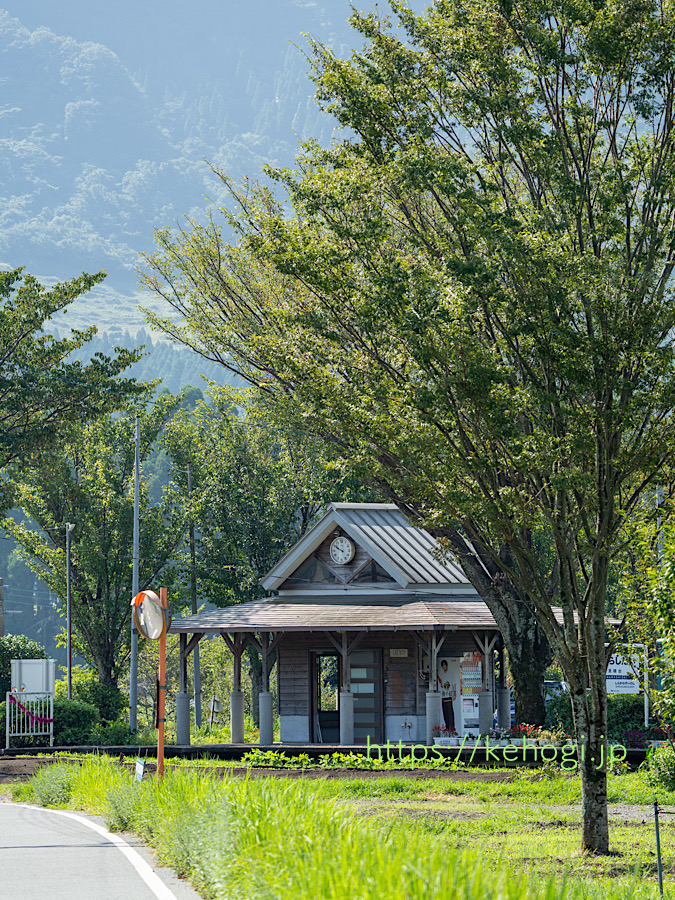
(659, 539)
(193, 591)
(2, 608)
(133, 671)
(69, 616)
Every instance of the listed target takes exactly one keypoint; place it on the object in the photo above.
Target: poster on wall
(447, 682)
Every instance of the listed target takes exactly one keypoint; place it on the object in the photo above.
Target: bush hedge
(661, 764)
(74, 722)
(625, 716)
(108, 700)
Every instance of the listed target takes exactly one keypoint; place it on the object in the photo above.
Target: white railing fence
(29, 715)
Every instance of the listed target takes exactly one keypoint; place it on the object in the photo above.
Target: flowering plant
(525, 731)
(443, 731)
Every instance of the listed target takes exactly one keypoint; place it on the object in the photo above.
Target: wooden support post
(346, 697)
(502, 697)
(182, 665)
(346, 674)
(265, 648)
(433, 699)
(237, 662)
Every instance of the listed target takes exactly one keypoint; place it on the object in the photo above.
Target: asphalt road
(70, 856)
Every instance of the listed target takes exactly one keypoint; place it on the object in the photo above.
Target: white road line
(150, 877)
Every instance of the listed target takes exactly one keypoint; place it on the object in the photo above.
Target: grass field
(528, 822)
(504, 835)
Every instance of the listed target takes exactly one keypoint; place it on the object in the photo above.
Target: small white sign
(622, 677)
(140, 769)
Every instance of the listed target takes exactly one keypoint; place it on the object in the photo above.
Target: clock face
(341, 550)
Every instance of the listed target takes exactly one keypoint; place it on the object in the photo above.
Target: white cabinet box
(33, 676)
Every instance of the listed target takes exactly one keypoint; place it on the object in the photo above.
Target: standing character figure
(448, 694)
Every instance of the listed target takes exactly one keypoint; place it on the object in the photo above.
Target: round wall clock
(342, 550)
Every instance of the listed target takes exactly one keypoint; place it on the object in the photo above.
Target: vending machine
(471, 684)
(459, 679)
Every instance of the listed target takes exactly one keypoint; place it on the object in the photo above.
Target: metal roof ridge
(357, 506)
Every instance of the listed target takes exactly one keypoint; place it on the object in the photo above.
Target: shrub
(110, 733)
(635, 737)
(625, 713)
(661, 771)
(107, 699)
(16, 646)
(559, 712)
(73, 722)
(53, 785)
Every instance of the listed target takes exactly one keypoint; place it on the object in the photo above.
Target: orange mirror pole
(161, 693)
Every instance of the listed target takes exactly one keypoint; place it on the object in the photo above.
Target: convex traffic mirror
(150, 618)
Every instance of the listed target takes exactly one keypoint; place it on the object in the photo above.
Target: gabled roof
(405, 551)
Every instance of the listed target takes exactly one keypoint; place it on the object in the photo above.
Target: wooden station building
(373, 633)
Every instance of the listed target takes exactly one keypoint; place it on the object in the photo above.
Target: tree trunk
(528, 659)
(592, 751)
(105, 668)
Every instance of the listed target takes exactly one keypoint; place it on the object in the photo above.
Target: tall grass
(272, 840)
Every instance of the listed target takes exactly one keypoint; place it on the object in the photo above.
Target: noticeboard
(623, 674)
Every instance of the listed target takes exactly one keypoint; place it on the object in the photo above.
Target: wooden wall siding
(398, 672)
(344, 573)
(293, 677)
(400, 678)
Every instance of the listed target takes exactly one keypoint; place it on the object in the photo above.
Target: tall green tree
(87, 479)
(40, 388)
(475, 296)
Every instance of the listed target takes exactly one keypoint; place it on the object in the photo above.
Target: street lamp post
(69, 618)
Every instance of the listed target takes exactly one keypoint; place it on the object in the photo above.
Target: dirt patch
(20, 768)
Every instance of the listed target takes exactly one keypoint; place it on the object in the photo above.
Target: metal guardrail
(29, 715)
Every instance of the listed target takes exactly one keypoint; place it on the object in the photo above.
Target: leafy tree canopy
(256, 489)
(87, 479)
(473, 296)
(40, 388)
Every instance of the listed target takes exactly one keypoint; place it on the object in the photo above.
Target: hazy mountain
(108, 111)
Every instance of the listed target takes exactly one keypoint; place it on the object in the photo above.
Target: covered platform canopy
(402, 612)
